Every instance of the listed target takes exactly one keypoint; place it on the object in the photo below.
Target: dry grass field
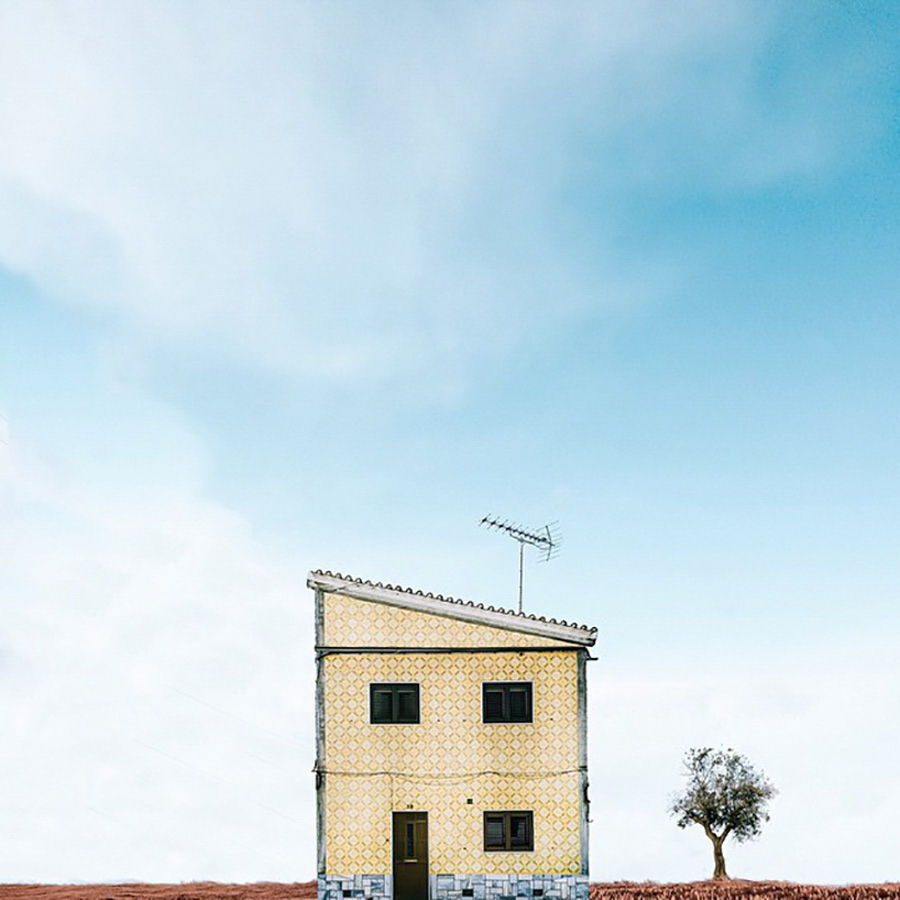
(195, 890)
(741, 890)
(625, 890)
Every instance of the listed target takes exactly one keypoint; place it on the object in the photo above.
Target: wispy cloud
(337, 196)
(315, 191)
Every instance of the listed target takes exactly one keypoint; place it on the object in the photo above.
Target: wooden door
(410, 856)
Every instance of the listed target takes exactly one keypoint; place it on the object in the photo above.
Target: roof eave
(453, 609)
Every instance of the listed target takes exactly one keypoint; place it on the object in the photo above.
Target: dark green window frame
(509, 830)
(394, 703)
(506, 701)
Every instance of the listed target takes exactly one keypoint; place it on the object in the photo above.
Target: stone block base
(508, 887)
(459, 887)
(370, 887)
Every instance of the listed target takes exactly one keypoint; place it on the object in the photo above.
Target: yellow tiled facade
(350, 622)
(449, 759)
(451, 764)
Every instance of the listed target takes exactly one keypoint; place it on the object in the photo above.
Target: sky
(294, 285)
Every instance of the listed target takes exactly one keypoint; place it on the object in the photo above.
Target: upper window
(395, 703)
(506, 701)
(509, 830)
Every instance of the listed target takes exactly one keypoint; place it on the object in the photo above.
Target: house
(451, 747)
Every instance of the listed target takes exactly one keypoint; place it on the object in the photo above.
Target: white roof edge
(454, 609)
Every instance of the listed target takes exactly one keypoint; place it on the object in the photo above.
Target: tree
(725, 795)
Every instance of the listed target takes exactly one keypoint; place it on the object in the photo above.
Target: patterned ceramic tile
(350, 622)
(450, 759)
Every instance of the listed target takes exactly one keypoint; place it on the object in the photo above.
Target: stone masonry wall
(370, 887)
(508, 887)
(460, 887)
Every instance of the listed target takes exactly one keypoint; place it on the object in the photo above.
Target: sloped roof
(465, 610)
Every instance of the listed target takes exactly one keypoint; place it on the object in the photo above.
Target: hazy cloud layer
(149, 669)
(206, 208)
(334, 190)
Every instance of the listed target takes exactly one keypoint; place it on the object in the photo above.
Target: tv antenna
(547, 539)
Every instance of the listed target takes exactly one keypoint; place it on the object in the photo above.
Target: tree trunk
(719, 857)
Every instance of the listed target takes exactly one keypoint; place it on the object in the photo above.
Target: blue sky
(287, 286)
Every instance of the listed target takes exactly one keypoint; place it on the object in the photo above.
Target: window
(509, 831)
(506, 701)
(394, 704)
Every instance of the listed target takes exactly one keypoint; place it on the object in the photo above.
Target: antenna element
(546, 539)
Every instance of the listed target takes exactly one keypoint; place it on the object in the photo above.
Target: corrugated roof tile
(511, 612)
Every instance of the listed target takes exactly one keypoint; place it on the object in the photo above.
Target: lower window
(509, 830)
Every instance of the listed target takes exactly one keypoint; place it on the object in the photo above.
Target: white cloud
(156, 674)
(312, 191)
(157, 683)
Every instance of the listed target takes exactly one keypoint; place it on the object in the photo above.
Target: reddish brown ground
(195, 890)
(736, 889)
(624, 890)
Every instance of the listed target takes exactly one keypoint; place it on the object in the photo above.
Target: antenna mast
(547, 539)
